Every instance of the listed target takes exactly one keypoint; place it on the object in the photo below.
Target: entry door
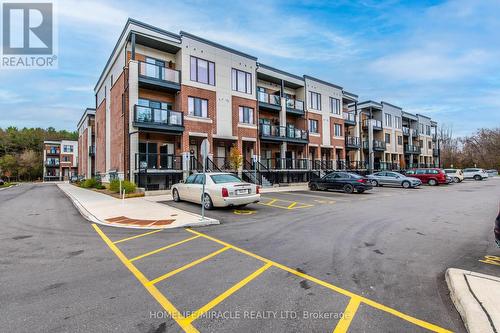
(152, 149)
(193, 149)
(167, 156)
(289, 160)
(266, 158)
(221, 157)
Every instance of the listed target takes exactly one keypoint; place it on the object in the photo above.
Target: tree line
(481, 149)
(21, 151)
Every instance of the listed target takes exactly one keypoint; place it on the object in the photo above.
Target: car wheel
(406, 184)
(456, 180)
(478, 177)
(175, 195)
(374, 183)
(348, 188)
(360, 191)
(432, 182)
(207, 202)
(314, 187)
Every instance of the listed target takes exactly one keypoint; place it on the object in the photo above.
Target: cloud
(9, 97)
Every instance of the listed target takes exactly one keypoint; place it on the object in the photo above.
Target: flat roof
(394, 106)
(322, 82)
(369, 103)
(87, 112)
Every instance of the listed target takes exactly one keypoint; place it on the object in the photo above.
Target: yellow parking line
(293, 204)
(191, 264)
(163, 248)
(342, 291)
(347, 316)
(137, 236)
(196, 314)
(270, 202)
(157, 295)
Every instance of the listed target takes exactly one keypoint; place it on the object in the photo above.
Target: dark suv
(344, 181)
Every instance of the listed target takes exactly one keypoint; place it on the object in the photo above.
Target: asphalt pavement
(293, 262)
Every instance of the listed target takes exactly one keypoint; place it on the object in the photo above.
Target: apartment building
(86, 144)
(391, 139)
(60, 160)
(161, 94)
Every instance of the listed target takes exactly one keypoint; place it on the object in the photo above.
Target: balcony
(158, 77)
(349, 119)
(269, 102)
(377, 124)
(434, 137)
(377, 145)
(52, 163)
(158, 119)
(435, 152)
(283, 133)
(352, 142)
(406, 131)
(52, 151)
(295, 106)
(411, 149)
(159, 162)
(285, 163)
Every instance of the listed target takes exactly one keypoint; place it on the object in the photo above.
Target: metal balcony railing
(411, 149)
(353, 141)
(294, 104)
(144, 114)
(285, 132)
(157, 161)
(160, 73)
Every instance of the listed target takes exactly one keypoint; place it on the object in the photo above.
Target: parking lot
(296, 262)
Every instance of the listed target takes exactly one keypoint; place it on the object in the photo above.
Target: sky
(437, 58)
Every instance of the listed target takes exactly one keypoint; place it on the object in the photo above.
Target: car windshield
(225, 178)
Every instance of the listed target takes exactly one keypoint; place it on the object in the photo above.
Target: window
(429, 144)
(421, 143)
(397, 122)
(400, 140)
(225, 178)
(422, 128)
(313, 126)
(65, 158)
(387, 138)
(246, 115)
(202, 71)
(337, 129)
(388, 120)
(190, 179)
(314, 100)
(334, 105)
(427, 130)
(67, 149)
(197, 107)
(241, 81)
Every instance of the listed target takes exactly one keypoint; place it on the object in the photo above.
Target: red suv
(431, 176)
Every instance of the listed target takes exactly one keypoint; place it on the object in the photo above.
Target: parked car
(475, 173)
(497, 228)
(1, 181)
(431, 176)
(393, 178)
(345, 181)
(492, 173)
(221, 190)
(457, 175)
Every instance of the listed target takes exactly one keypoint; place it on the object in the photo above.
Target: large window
(313, 126)
(246, 115)
(387, 138)
(429, 144)
(388, 120)
(241, 81)
(337, 129)
(397, 122)
(427, 130)
(421, 128)
(314, 100)
(197, 107)
(334, 105)
(202, 71)
(67, 148)
(400, 140)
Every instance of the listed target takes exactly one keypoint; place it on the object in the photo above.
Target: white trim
(203, 135)
(244, 138)
(326, 146)
(230, 137)
(199, 119)
(244, 125)
(313, 145)
(314, 134)
(315, 111)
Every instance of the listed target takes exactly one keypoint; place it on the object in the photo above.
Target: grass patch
(7, 184)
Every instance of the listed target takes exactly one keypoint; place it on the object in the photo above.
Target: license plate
(242, 191)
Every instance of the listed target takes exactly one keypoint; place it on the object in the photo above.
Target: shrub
(114, 186)
(89, 183)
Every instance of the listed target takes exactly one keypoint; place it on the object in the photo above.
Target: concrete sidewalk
(477, 298)
(137, 213)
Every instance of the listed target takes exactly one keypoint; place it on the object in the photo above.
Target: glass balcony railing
(406, 131)
(269, 99)
(350, 117)
(294, 104)
(376, 144)
(147, 115)
(411, 149)
(353, 141)
(284, 132)
(376, 123)
(158, 161)
(160, 73)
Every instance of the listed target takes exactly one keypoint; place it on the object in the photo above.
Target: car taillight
(257, 189)
(361, 180)
(225, 192)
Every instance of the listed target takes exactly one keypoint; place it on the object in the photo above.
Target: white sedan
(221, 190)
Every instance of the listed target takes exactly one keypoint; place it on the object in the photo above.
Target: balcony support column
(132, 41)
(371, 154)
(133, 95)
(283, 148)
(357, 130)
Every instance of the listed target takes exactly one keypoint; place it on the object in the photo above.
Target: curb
(474, 316)
(92, 218)
(6, 188)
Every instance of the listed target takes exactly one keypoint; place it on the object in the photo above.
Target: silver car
(392, 178)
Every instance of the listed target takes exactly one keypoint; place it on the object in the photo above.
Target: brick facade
(243, 131)
(117, 125)
(83, 153)
(100, 136)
